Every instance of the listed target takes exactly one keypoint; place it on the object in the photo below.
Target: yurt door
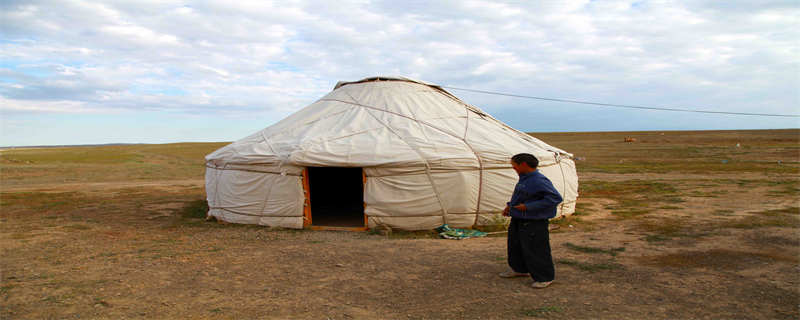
(335, 198)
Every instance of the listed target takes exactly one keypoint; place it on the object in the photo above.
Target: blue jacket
(539, 196)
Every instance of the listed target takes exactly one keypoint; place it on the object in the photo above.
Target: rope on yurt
(472, 109)
(564, 182)
(216, 183)
(252, 170)
(427, 164)
(622, 105)
(480, 168)
(268, 144)
(266, 197)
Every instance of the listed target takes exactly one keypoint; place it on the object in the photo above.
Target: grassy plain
(700, 224)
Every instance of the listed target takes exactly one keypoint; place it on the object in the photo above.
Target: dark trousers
(529, 249)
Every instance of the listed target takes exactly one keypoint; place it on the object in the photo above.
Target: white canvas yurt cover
(423, 158)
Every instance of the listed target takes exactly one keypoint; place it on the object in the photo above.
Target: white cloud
(237, 57)
(140, 35)
(10, 106)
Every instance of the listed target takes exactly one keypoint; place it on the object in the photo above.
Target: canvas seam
(427, 164)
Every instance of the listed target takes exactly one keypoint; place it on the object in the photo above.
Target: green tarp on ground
(449, 233)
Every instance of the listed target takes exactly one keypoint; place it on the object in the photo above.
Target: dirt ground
(655, 236)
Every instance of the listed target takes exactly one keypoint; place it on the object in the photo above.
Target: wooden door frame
(307, 217)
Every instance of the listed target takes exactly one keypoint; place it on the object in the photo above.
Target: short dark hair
(526, 158)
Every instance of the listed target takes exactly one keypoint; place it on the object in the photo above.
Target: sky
(87, 72)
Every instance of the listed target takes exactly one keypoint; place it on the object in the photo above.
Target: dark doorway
(337, 196)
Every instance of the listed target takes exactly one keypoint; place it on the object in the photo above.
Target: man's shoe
(512, 274)
(540, 285)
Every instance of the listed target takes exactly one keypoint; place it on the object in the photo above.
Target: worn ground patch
(664, 229)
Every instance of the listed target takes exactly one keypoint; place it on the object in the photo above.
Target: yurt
(382, 151)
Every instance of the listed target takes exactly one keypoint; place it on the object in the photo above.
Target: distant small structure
(630, 139)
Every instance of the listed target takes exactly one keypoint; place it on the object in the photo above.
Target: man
(534, 201)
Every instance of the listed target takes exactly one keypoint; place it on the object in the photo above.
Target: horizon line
(528, 132)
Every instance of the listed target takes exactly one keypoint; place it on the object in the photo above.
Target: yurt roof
(385, 121)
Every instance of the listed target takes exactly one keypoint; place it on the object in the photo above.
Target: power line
(622, 105)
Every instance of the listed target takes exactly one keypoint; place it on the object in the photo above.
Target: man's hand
(521, 207)
(505, 211)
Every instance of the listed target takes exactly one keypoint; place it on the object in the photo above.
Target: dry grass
(175, 161)
(720, 259)
(546, 312)
(786, 217)
(588, 249)
(120, 232)
(633, 197)
(589, 266)
(683, 151)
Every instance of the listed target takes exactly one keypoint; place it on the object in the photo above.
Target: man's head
(524, 163)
